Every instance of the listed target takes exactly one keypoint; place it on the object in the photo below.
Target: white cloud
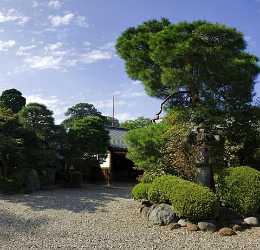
(55, 4)
(105, 104)
(125, 116)
(5, 46)
(54, 46)
(12, 15)
(24, 50)
(53, 103)
(69, 18)
(44, 62)
(57, 21)
(95, 55)
(57, 56)
(81, 22)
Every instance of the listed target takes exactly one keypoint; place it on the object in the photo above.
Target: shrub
(193, 201)
(140, 191)
(150, 176)
(188, 199)
(75, 179)
(162, 188)
(11, 185)
(239, 189)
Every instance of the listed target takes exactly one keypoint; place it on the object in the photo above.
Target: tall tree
(139, 122)
(78, 111)
(87, 137)
(12, 99)
(38, 118)
(208, 61)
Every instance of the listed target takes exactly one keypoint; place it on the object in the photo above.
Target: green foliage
(144, 146)
(75, 179)
(110, 123)
(87, 137)
(140, 191)
(13, 100)
(38, 118)
(11, 185)
(161, 189)
(239, 189)
(206, 59)
(79, 111)
(140, 122)
(189, 200)
(193, 201)
(150, 176)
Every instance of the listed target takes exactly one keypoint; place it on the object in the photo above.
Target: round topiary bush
(239, 189)
(150, 176)
(162, 188)
(140, 191)
(193, 201)
(189, 200)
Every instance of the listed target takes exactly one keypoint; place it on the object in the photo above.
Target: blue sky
(61, 52)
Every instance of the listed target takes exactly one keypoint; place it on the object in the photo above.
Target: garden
(201, 159)
(200, 155)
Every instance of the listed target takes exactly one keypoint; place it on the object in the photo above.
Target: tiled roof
(117, 137)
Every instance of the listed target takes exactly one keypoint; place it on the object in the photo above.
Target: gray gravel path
(97, 217)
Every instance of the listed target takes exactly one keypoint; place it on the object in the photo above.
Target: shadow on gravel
(88, 199)
(17, 224)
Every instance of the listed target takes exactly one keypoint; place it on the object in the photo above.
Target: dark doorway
(122, 169)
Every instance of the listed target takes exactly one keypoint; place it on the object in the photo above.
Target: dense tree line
(30, 139)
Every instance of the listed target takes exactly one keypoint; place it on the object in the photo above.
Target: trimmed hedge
(162, 188)
(239, 189)
(140, 191)
(188, 199)
(150, 176)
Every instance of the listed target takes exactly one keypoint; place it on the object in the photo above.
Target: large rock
(183, 222)
(237, 227)
(251, 221)
(192, 227)
(207, 226)
(161, 215)
(226, 231)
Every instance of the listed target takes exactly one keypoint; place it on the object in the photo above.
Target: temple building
(116, 167)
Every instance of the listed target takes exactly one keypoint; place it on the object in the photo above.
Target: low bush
(188, 199)
(140, 191)
(150, 176)
(162, 188)
(239, 188)
(193, 201)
